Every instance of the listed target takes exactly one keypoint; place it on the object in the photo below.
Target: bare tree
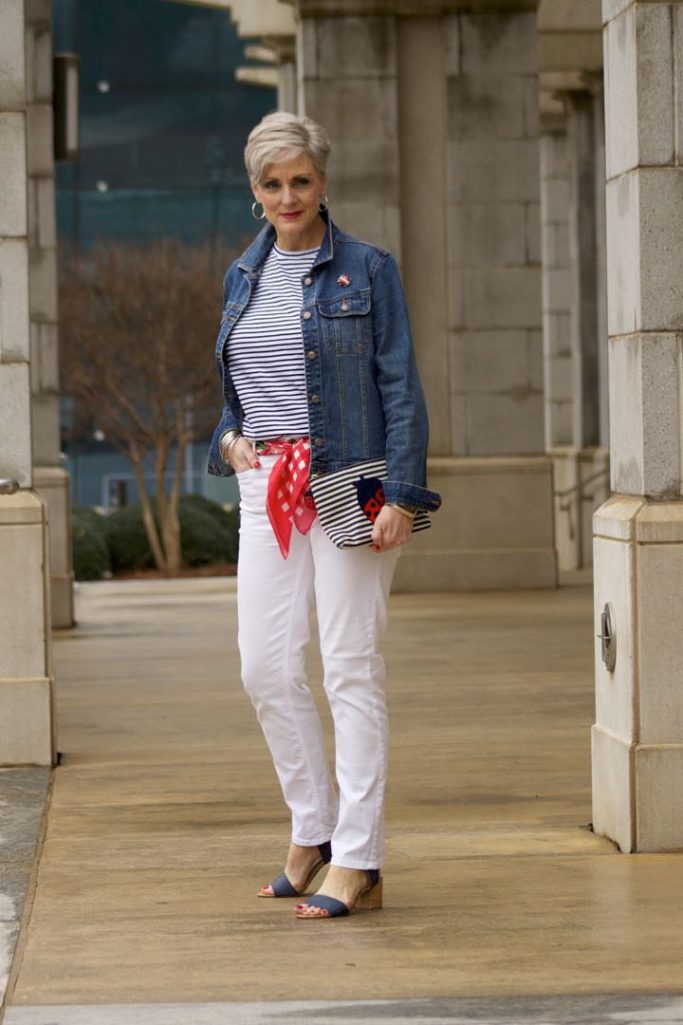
(137, 327)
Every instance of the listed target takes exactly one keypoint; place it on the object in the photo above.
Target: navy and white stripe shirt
(266, 349)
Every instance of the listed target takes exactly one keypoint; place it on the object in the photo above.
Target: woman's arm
(228, 421)
(403, 404)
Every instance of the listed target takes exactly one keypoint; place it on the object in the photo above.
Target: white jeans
(274, 597)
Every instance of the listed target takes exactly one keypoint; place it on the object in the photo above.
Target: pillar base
(612, 760)
(26, 714)
(637, 793)
(52, 484)
(576, 500)
(493, 532)
(26, 721)
(637, 740)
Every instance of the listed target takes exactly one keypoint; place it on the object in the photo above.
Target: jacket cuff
(215, 466)
(411, 494)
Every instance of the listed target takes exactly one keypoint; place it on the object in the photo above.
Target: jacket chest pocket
(346, 322)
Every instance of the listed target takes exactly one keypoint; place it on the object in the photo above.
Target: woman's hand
(391, 529)
(243, 456)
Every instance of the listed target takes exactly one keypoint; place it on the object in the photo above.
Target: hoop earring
(258, 217)
(324, 203)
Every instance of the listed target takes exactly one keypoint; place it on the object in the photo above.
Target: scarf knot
(287, 502)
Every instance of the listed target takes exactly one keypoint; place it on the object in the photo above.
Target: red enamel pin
(344, 280)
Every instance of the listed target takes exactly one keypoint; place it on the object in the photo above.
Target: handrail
(8, 486)
(581, 486)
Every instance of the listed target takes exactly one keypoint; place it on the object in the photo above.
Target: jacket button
(315, 398)
(344, 306)
(308, 281)
(307, 314)
(311, 354)
(318, 442)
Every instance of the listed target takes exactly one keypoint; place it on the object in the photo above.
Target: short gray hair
(281, 136)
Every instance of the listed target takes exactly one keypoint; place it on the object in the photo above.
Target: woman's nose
(287, 195)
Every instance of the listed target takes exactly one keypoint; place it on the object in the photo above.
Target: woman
(318, 372)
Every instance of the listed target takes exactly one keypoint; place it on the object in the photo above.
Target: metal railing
(569, 497)
(582, 485)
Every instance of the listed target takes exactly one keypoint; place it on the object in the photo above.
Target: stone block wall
(25, 672)
(643, 47)
(50, 479)
(348, 81)
(42, 236)
(15, 410)
(494, 234)
(638, 734)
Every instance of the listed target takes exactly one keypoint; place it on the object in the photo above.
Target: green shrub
(90, 549)
(207, 532)
(127, 539)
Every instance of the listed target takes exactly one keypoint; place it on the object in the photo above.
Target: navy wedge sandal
(369, 899)
(282, 887)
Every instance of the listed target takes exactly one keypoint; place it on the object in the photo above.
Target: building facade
(523, 162)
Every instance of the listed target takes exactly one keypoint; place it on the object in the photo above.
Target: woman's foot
(346, 888)
(303, 865)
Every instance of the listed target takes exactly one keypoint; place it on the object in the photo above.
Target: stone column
(434, 118)
(50, 479)
(583, 262)
(499, 487)
(594, 462)
(347, 81)
(638, 734)
(598, 93)
(25, 684)
(574, 441)
(557, 352)
(423, 193)
(557, 335)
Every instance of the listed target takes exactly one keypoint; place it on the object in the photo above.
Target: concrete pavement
(579, 1010)
(23, 795)
(165, 818)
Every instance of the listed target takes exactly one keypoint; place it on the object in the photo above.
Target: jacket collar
(253, 258)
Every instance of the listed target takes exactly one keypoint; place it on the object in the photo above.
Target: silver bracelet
(227, 440)
(408, 513)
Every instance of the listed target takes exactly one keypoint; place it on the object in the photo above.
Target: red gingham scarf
(287, 502)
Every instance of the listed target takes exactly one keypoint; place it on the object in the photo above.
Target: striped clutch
(348, 502)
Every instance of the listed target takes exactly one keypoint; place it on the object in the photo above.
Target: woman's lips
(292, 216)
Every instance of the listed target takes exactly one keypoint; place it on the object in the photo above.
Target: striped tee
(266, 349)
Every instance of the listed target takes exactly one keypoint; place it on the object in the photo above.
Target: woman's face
(290, 191)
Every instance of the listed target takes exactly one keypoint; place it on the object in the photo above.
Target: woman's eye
(302, 183)
(271, 186)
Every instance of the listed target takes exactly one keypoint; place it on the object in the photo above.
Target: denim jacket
(365, 400)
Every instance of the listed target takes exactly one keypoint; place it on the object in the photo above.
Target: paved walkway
(165, 818)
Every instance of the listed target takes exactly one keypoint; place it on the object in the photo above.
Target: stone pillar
(601, 260)
(594, 460)
(638, 734)
(423, 196)
(573, 426)
(50, 479)
(287, 93)
(557, 351)
(557, 337)
(436, 157)
(25, 684)
(498, 488)
(583, 262)
(347, 81)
